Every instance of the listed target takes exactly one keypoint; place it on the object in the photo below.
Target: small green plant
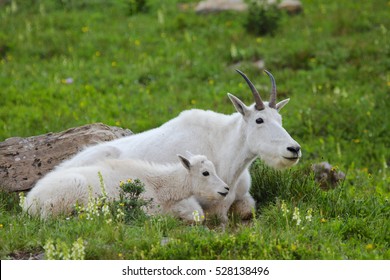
(262, 18)
(130, 202)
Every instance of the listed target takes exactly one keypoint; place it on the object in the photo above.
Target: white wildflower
(296, 216)
(196, 216)
(284, 209)
(92, 209)
(102, 186)
(63, 252)
(106, 213)
(78, 250)
(22, 199)
(50, 250)
(120, 215)
(309, 213)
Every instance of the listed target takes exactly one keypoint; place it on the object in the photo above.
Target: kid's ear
(186, 163)
(281, 104)
(239, 105)
(189, 154)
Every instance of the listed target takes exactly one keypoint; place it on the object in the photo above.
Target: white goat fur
(231, 142)
(171, 186)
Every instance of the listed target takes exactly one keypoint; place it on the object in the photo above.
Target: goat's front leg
(244, 204)
(188, 210)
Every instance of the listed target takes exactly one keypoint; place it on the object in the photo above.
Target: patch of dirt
(26, 255)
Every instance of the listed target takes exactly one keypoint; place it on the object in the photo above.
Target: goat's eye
(206, 173)
(259, 120)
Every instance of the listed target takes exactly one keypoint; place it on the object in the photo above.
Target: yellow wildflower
(293, 247)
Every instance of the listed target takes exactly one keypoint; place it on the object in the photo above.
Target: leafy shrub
(262, 18)
(130, 201)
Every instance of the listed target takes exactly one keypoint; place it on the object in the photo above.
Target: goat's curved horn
(259, 103)
(272, 100)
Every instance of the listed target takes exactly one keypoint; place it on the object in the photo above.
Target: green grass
(140, 70)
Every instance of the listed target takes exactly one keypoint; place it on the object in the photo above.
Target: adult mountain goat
(231, 142)
(172, 187)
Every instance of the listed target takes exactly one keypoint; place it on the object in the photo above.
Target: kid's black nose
(294, 149)
(223, 194)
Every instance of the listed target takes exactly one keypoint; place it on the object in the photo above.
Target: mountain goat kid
(173, 187)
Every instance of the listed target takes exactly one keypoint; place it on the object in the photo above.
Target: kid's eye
(206, 173)
(259, 120)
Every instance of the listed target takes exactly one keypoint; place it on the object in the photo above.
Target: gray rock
(25, 160)
(259, 64)
(213, 6)
(291, 6)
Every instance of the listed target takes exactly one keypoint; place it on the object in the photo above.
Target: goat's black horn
(259, 103)
(272, 100)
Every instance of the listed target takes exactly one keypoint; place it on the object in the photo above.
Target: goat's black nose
(294, 149)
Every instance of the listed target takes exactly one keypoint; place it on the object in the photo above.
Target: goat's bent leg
(187, 209)
(244, 203)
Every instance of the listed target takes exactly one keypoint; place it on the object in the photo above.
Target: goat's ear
(186, 163)
(239, 105)
(281, 104)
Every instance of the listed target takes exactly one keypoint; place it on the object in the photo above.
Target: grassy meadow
(66, 63)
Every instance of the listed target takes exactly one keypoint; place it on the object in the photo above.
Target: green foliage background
(67, 63)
